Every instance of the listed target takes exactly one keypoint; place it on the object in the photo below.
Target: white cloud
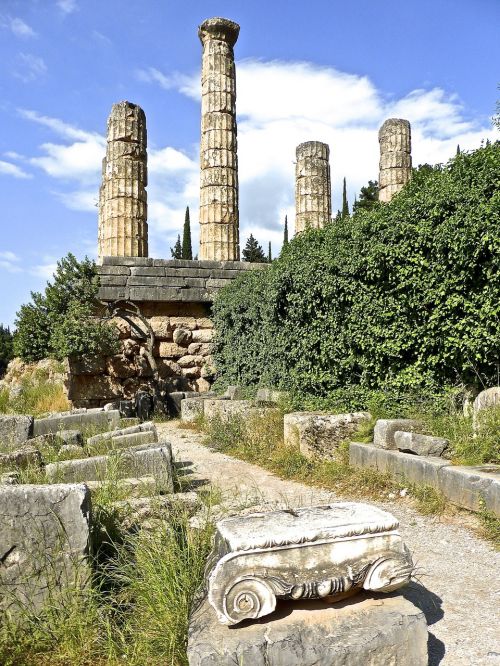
(9, 169)
(17, 26)
(12, 155)
(280, 104)
(29, 67)
(9, 261)
(44, 270)
(67, 6)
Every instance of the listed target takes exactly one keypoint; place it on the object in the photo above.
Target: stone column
(219, 215)
(123, 229)
(395, 157)
(313, 197)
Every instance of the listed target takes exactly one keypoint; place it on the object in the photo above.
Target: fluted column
(219, 215)
(123, 227)
(313, 197)
(395, 157)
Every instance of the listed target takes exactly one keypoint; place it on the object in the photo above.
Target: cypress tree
(458, 149)
(176, 251)
(285, 235)
(269, 254)
(345, 204)
(187, 250)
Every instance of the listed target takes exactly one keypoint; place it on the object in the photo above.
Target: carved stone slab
(329, 551)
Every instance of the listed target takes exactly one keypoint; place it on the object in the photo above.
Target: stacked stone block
(219, 216)
(395, 157)
(123, 228)
(313, 207)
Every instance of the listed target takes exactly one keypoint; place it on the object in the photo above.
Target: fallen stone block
(319, 434)
(403, 466)
(366, 631)
(227, 409)
(472, 487)
(269, 396)
(44, 543)
(27, 456)
(70, 452)
(132, 487)
(69, 437)
(147, 426)
(234, 393)
(383, 434)
(97, 419)
(420, 445)
(192, 409)
(15, 429)
(135, 513)
(485, 402)
(156, 462)
(134, 439)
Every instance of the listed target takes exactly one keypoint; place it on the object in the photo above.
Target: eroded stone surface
(319, 434)
(27, 456)
(420, 445)
(151, 461)
(96, 418)
(362, 632)
(383, 433)
(44, 541)
(314, 552)
(313, 207)
(219, 213)
(395, 157)
(15, 429)
(123, 229)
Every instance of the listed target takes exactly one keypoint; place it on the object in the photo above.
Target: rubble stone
(383, 433)
(420, 445)
(15, 429)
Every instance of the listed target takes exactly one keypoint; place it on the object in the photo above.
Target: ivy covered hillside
(402, 296)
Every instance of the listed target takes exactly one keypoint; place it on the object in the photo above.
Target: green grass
(38, 396)
(137, 609)
(260, 441)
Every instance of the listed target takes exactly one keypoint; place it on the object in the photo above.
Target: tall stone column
(123, 227)
(313, 195)
(395, 157)
(219, 215)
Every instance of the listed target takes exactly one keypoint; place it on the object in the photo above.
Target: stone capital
(219, 28)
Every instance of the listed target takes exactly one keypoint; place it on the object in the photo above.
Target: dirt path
(459, 574)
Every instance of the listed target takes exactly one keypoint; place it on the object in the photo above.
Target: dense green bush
(403, 297)
(60, 322)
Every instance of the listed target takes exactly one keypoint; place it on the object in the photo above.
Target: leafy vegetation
(61, 322)
(38, 394)
(400, 299)
(6, 348)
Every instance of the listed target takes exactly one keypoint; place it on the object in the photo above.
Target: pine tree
(253, 251)
(176, 251)
(6, 348)
(269, 254)
(285, 234)
(187, 249)
(368, 197)
(345, 204)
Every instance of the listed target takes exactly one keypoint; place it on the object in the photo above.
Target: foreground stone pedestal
(364, 631)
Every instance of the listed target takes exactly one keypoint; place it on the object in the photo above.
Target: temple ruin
(123, 227)
(395, 157)
(313, 196)
(219, 215)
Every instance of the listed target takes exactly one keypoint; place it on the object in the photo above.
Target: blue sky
(323, 69)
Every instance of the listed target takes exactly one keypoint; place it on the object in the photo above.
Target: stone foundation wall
(182, 350)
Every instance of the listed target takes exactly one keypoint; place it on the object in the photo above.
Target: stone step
(98, 419)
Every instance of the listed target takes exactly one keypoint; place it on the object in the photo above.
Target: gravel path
(459, 574)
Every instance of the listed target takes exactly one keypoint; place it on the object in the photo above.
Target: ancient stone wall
(123, 227)
(183, 333)
(313, 207)
(395, 157)
(219, 216)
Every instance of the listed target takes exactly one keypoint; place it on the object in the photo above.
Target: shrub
(396, 299)
(60, 322)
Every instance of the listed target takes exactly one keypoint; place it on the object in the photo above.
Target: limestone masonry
(219, 216)
(313, 197)
(123, 227)
(395, 157)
